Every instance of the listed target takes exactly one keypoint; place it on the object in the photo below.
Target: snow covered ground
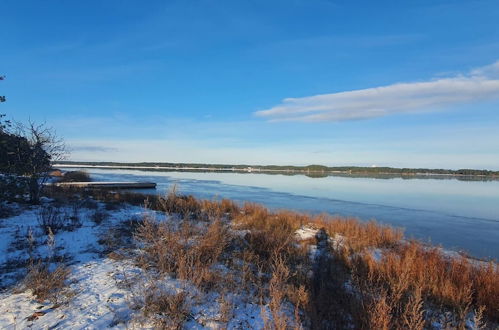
(109, 291)
(93, 298)
(102, 292)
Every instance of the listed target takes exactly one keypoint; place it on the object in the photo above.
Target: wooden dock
(107, 185)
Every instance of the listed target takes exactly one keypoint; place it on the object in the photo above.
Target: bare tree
(26, 153)
(41, 147)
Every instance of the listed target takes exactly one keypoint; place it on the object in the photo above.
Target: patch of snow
(305, 233)
(241, 233)
(337, 241)
(377, 254)
(98, 302)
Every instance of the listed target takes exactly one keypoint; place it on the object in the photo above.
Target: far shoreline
(301, 171)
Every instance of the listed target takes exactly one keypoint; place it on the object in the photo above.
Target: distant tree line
(313, 170)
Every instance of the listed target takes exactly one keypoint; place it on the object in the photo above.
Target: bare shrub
(45, 283)
(162, 247)
(277, 292)
(300, 298)
(226, 309)
(167, 310)
(184, 252)
(413, 314)
(213, 243)
(228, 207)
(478, 318)
(120, 236)
(50, 218)
(187, 207)
(248, 268)
(75, 176)
(98, 216)
(74, 216)
(486, 289)
(379, 312)
(270, 234)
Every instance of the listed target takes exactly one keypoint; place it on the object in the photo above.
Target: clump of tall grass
(46, 277)
(184, 251)
(414, 273)
(44, 282)
(360, 235)
(167, 310)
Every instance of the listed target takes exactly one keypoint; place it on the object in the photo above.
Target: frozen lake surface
(457, 214)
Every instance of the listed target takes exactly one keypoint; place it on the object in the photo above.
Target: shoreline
(245, 261)
(279, 171)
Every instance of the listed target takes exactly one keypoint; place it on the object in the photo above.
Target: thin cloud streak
(92, 149)
(479, 85)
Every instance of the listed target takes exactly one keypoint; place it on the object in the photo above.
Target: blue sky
(398, 83)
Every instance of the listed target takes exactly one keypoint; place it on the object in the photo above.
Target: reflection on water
(455, 213)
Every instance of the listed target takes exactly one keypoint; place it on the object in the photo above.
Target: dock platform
(107, 185)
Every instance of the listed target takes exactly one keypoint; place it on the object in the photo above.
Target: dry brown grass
(486, 285)
(378, 313)
(183, 249)
(226, 309)
(277, 292)
(272, 249)
(46, 284)
(413, 315)
(186, 206)
(396, 288)
(360, 235)
(186, 252)
(167, 310)
(218, 209)
(413, 273)
(270, 234)
(393, 292)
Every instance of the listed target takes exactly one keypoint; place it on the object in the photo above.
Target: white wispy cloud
(478, 85)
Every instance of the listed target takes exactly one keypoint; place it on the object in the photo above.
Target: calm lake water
(457, 214)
